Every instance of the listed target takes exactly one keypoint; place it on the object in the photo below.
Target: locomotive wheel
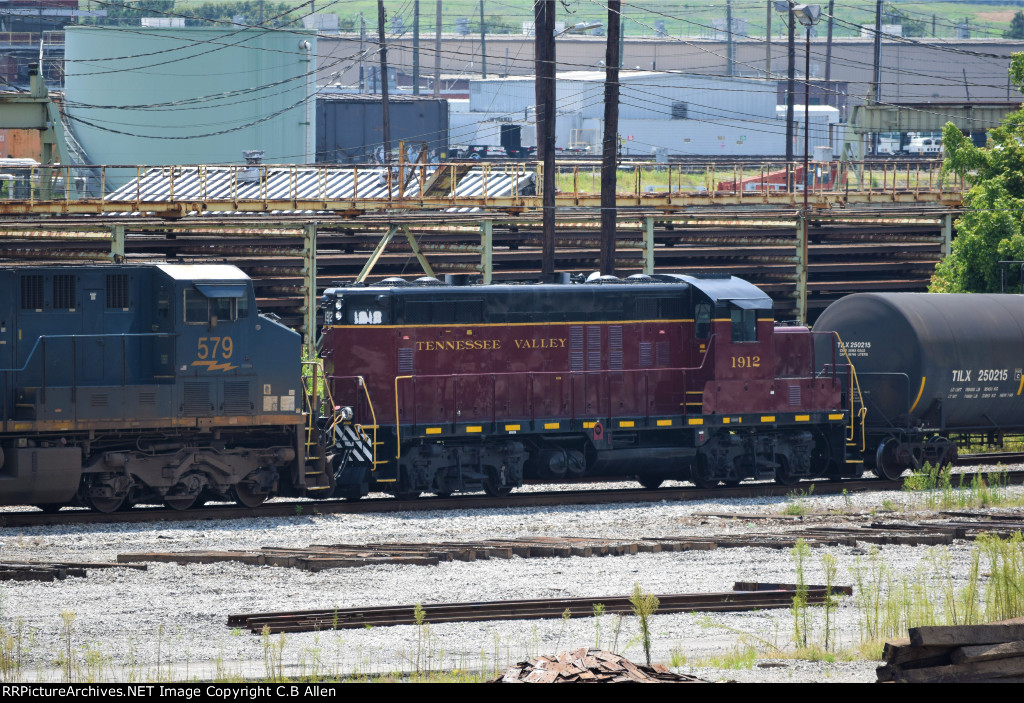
(886, 466)
(783, 475)
(700, 476)
(245, 496)
(181, 502)
(496, 490)
(104, 505)
(650, 482)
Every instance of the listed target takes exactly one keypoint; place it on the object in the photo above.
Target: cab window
(703, 320)
(744, 325)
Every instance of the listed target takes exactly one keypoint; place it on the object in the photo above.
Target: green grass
(940, 490)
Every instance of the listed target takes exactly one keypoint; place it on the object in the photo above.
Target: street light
(808, 16)
(580, 27)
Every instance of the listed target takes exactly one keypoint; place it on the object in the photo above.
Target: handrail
(863, 412)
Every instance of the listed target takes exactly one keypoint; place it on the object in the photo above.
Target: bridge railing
(120, 188)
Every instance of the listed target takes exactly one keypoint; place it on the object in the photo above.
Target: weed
(801, 624)
(616, 629)
(676, 658)
(598, 612)
(644, 606)
(566, 614)
(419, 615)
(66, 662)
(740, 657)
(298, 511)
(796, 505)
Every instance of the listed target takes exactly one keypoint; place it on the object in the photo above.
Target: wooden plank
(909, 657)
(963, 635)
(984, 652)
(975, 671)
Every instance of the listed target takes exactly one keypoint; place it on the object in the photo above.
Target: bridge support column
(309, 289)
(117, 244)
(486, 250)
(649, 245)
(947, 235)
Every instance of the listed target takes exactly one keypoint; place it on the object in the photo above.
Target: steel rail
(306, 508)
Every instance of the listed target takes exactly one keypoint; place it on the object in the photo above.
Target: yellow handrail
(863, 412)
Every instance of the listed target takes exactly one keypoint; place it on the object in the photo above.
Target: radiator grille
(32, 292)
(646, 355)
(147, 398)
(63, 292)
(99, 400)
(593, 348)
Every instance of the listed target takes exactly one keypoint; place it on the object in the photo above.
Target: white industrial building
(659, 112)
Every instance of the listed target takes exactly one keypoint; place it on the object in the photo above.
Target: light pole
(808, 16)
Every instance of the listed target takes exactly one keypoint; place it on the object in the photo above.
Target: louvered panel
(593, 348)
(646, 355)
(99, 400)
(615, 347)
(576, 348)
(794, 395)
(663, 354)
(197, 399)
(405, 356)
(236, 398)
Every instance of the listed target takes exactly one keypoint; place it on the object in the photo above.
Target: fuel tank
(943, 361)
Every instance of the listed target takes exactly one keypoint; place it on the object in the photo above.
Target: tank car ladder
(317, 478)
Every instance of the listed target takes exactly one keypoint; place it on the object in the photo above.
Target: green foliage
(1016, 30)
(275, 14)
(990, 228)
(134, 10)
(644, 606)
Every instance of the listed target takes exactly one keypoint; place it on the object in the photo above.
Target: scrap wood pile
(957, 653)
(590, 666)
(51, 571)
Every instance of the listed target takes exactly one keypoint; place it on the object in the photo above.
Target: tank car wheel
(49, 508)
(650, 482)
(885, 460)
(247, 497)
(181, 502)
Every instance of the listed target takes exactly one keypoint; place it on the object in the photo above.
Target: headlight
(337, 305)
(346, 414)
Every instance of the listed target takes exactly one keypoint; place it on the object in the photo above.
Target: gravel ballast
(171, 618)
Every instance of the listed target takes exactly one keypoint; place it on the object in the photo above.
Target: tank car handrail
(863, 412)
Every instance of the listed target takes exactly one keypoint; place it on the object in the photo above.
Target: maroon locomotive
(445, 388)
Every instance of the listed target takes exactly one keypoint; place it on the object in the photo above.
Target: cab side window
(744, 325)
(197, 307)
(703, 320)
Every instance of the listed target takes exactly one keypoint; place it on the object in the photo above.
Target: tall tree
(1016, 30)
(990, 230)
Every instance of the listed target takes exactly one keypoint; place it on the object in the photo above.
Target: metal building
(349, 127)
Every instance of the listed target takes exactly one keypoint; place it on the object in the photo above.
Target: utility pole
(622, 39)
(437, 51)
(362, 48)
(544, 56)
(730, 53)
(483, 43)
(385, 116)
(768, 43)
(828, 48)
(790, 88)
(877, 87)
(416, 47)
(609, 146)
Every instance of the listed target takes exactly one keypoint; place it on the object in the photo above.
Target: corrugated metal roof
(197, 183)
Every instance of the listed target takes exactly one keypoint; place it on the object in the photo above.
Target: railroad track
(296, 508)
(745, 596)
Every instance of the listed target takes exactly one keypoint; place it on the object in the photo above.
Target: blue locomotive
(125, 384)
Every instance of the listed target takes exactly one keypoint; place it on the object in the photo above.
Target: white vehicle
(925, 145)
